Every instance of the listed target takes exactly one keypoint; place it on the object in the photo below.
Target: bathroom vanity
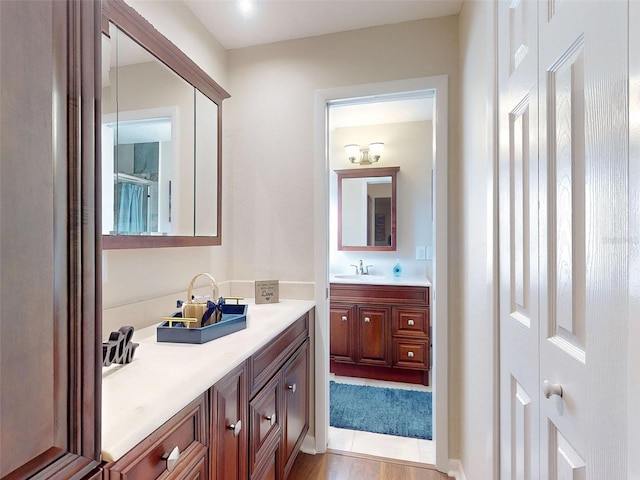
(233, 408)
(380, 329)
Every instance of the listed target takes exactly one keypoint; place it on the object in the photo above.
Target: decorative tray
(234, 318)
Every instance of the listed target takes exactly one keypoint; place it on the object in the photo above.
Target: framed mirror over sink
(367, 201)
(161, 130)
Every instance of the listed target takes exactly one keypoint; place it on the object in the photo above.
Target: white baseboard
(309, 445)
(456, 470)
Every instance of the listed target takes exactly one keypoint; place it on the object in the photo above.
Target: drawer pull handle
(172, 458)
(292, 388)
(344, 318)
(236, 427)
(271, 418)
(367, 320)
(411, 323)
(410, 354)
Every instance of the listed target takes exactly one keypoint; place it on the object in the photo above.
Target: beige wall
(477, 336)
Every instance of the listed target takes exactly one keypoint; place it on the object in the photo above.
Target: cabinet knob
(292, 388)
(271, 418)
(367, 320)
(344, 318)
(551, 389)
(410, 354)
(172, 458)
(411, 323)
(236, 427)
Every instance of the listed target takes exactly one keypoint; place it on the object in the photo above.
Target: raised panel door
(342, 323)
(229, 460)
(374, 335)
(296, 404)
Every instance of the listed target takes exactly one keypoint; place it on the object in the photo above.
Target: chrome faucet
(361, 269)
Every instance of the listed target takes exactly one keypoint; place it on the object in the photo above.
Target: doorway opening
(430, 234)
(371, 243)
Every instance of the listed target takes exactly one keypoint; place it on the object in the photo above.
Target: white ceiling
(277, 20)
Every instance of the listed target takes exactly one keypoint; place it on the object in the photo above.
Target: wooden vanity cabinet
(380, 331)
(187, 430)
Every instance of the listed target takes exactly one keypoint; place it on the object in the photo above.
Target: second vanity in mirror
(161, 149)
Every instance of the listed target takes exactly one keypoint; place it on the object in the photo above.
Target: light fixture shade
(375, 149)
(352, 150)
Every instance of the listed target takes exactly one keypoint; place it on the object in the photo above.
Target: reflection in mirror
(161, 127)
(367, 209)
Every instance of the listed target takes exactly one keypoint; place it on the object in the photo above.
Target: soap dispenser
(397, 269)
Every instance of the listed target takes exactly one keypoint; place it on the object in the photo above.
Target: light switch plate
(421, 253)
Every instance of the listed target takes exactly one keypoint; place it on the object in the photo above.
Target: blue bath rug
(405, 413)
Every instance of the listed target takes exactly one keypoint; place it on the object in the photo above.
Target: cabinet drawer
(264, 418)
(267, 361)
(409, 353)
(192, 466)
(411, 322)
(144, 461)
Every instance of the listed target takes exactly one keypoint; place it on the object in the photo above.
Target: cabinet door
(342, 333)
(374, 335)
(49, 267)
(228, 427)
(296, 404)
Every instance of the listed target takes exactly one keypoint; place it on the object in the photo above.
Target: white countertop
(163, 378)
(379, 280)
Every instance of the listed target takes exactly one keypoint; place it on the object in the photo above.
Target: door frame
(439, 295)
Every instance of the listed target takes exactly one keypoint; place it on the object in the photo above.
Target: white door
(566, 340)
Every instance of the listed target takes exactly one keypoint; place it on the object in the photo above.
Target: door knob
(271, 418)
(411, 323)
(236, 427)
(549, 389)
(292, 388)
(344, 318)
(367, 320)
(410, 354)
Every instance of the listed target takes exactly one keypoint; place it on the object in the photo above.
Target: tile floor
(390, 446)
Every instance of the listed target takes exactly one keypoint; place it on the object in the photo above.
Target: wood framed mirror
(367, 201)
(161, 139)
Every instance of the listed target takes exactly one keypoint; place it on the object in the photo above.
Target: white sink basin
(362, 278)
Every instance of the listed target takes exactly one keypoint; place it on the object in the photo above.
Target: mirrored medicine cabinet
(161, 130)
(367, 209)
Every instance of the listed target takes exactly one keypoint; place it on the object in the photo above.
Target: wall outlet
(421, 252)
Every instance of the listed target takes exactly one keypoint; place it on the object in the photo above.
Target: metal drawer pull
(236, 427)
(344, 318)
(551, 389)
(271, 418)
(411, 323)
(292, 388)
(410, 354)
(172, 458)
(367, 320)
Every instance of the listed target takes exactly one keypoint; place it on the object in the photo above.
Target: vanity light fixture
(364, 156)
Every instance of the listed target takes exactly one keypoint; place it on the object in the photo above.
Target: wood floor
(350, 466)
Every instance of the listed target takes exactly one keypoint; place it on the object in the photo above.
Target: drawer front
(412, 322)
(264, 420)
(192, 467)
(409, 353)
(267, 361)
(145, 462)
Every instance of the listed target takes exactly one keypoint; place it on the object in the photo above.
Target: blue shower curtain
(131, 214)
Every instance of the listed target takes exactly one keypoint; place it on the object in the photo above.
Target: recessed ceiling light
(246, 6)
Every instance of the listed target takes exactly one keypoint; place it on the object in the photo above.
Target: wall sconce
(364, 156)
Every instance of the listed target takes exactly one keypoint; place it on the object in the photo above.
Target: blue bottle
(397, 269)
